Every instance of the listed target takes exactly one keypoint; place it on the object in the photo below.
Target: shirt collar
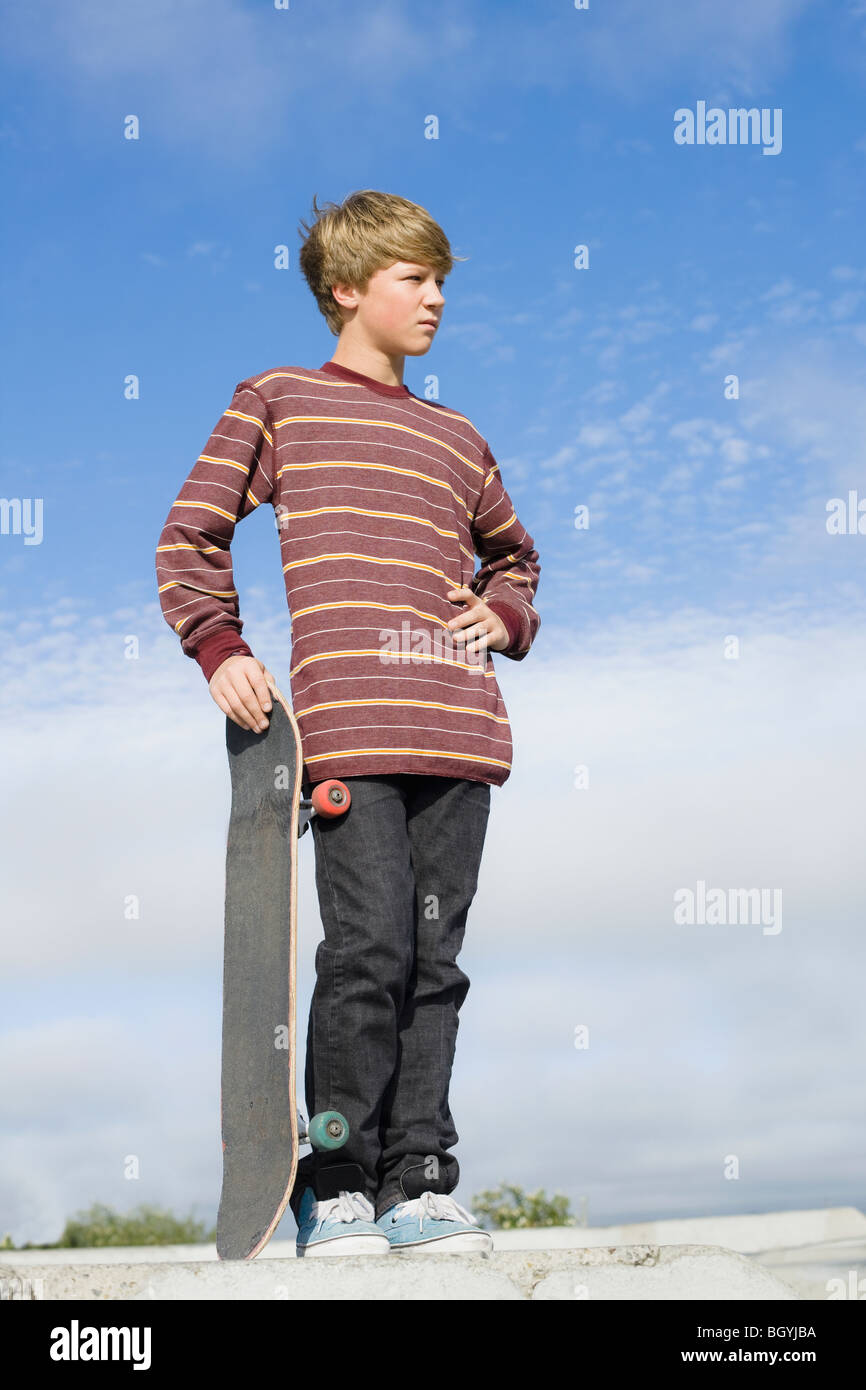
(336, 369)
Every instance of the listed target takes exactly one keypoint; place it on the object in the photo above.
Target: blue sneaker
(341, 1225)
(436, 1223)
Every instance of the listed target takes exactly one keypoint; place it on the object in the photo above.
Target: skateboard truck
(329, 799)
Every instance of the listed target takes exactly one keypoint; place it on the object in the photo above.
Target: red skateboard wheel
(331, 798)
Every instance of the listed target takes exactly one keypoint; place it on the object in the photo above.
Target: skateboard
(261, 1127)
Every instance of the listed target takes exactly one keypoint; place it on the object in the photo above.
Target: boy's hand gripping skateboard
(261, 1128)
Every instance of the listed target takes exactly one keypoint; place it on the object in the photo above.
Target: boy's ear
(345, 291)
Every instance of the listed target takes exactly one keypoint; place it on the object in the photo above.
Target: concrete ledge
(748, 1234)
(629, 1272)
(817, 1254)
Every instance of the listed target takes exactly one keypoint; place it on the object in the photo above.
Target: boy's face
(392, 312)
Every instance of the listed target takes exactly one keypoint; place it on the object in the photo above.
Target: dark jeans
(395, 877)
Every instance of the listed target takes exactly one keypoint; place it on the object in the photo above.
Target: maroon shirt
(382, 500)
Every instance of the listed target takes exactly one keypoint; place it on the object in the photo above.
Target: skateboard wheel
(328, 1130)
(331, 798)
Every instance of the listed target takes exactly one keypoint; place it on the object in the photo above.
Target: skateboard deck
(258, 1114)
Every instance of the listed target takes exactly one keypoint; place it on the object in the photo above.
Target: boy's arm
(231, 478)
(508, 578)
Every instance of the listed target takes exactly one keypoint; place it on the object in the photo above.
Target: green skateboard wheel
(328, 1130)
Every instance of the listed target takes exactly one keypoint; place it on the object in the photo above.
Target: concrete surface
(748, 1234)
(776, 1255)
(625, 1272)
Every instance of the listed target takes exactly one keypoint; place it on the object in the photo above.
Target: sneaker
(342, 1225)
(434, 1222)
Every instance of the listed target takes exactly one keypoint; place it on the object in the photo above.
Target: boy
(382, 499)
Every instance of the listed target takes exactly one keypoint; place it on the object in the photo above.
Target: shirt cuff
(511, 620)
(214, 650)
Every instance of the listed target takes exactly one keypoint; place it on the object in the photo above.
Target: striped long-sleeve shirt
(381, 500)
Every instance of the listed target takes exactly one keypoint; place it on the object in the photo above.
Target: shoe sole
(345, 1245)
(462, 1241)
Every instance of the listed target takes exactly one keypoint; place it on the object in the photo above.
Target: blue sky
(602, 387)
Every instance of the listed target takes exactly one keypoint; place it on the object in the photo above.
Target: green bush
(144, 1225)
(508, 1208)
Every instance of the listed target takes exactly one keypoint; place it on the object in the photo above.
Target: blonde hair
(347, 242)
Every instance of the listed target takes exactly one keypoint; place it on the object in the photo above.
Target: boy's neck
(369, 362)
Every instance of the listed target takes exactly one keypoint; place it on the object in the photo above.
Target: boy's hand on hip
(478, 626)
(240, 688)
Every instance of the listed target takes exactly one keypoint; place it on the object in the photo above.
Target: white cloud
(845, 304)
(702, 323)
(734, 450)
(597, 436)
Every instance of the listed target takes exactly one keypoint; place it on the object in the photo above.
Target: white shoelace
(349, 1206)
(435, 1206)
